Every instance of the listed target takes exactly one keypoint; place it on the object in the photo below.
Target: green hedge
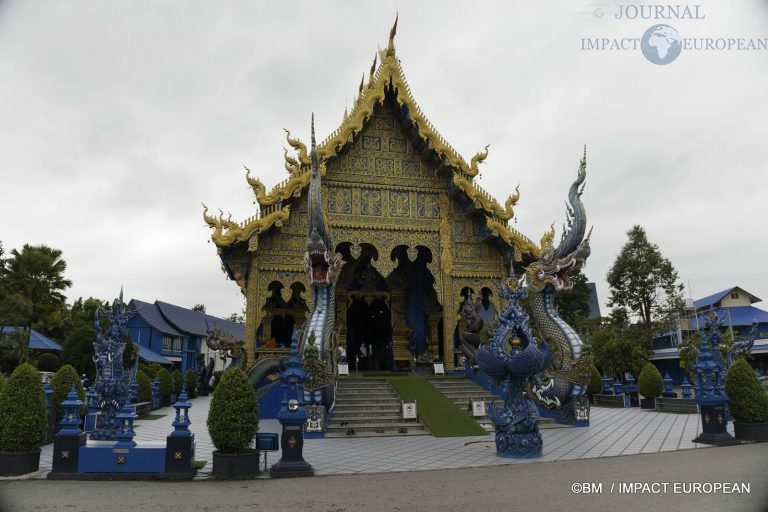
(145, 386)
(23, 415)
(178, 382)
(190, 378)
(165, 386)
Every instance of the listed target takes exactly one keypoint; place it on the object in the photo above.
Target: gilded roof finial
(360, 88)
(373, 70)
(392, 32)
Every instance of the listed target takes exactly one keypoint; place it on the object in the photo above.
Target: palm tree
(33, 282)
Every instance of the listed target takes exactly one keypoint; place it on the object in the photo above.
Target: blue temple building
(734, 305)
(175, 336)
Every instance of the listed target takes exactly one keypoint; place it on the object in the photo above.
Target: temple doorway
(369, 333)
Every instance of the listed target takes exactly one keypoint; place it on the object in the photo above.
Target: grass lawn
(437, 413)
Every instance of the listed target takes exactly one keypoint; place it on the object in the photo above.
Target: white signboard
(409, 410)
(343, 369)
(477, 408)
(439, 369)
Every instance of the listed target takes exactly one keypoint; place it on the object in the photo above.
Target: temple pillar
(446, 267)
(252, 313)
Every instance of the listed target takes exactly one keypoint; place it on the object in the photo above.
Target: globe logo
(661, 44)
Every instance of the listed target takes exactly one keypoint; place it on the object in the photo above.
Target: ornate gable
(384, 145)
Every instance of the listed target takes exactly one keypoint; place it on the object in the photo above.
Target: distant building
(175, 336)
(734, 305)
(37, 342)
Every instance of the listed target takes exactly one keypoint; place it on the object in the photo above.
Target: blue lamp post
(669, 392)
(69, 438)
(606, 381)
(292, 417)
(180, 444)
(710, 395)
(686, 387)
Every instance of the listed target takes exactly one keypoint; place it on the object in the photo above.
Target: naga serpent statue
(553, 372)
(317, 344)
(510, 358)
(563, 385)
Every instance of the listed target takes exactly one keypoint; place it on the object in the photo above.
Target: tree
(199, 307)
(642, 282)
(618, 351)
(236, 318)
(573, 305)
(33, 283)
(77, 350)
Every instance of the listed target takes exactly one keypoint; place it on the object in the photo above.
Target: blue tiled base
(102, 457)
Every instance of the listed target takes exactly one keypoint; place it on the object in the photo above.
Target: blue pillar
(669, 391)
(292, 417)
(69, 438)
(632, 392)
(618, 389)
(51, 413)
(606, 381)
(93, 411)
(686, 388)
(180, 444)
(710, 395)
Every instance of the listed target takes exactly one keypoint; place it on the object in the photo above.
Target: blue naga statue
(510, 359)
(113, 380)
(318, 343)
(552, 372)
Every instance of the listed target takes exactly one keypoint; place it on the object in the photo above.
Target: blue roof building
(734, 305)
(36, 340)
(174, 335)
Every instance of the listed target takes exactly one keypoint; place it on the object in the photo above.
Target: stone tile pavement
(613, 432)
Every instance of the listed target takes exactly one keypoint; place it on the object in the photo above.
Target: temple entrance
(369, 333)
(388, 323)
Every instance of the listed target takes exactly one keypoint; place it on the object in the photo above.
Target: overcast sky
(118, 118)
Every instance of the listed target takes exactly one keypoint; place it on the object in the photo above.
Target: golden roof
(388, 76)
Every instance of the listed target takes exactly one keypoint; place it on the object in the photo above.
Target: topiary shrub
(595, 386)
(48, 362)
(178, 382)
(233, 417)
(190, 377)
(2, 382)
(217, 377)
(145, 387)
(23, 415)
(150, 370)
(165, 386)
(61, 383)
(748, 402)
(649, 382)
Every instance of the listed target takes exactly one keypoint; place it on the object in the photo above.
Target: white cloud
(120, 118)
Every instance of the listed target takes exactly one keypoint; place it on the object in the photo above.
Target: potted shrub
(190, 378)
(23, 422)
(595, 386)
(748, 402)
(650, 385)
(233, 419)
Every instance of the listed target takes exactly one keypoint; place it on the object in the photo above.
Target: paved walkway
(613, 432)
